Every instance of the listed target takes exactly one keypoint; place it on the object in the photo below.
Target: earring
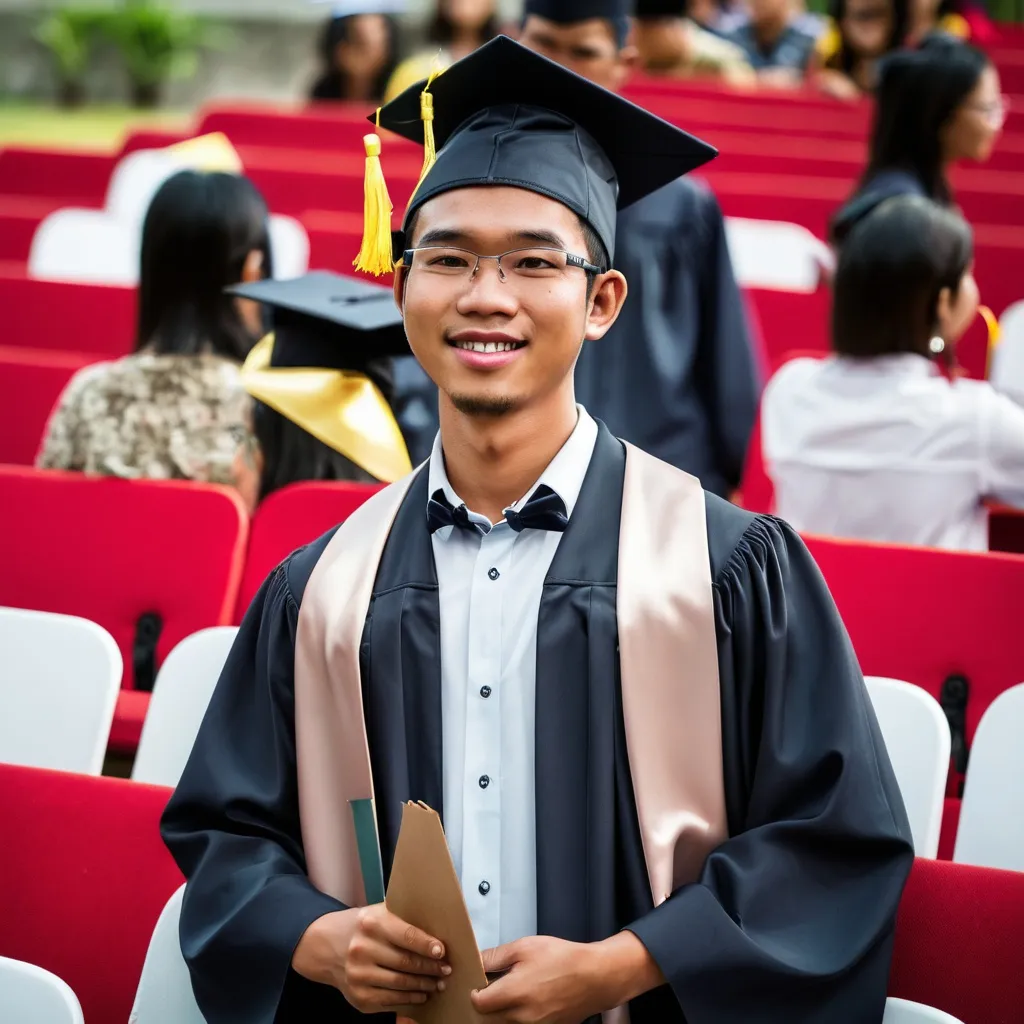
(937, 345)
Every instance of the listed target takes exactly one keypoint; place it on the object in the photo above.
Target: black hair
(919, 91)
(198, 231)
(892, 267)
(619, 24)
(844, 58)
(442, 29)
(291, 454)
(331, 84)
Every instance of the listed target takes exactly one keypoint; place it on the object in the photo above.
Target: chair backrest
(85, 246)
(182, 691)
(83, 878)
(775, 254)
(290, 518)
(1007, 370)
(72, 317)
(991, 829)
(928, 616)
(28, 993)
(61, 677)
(902, 1011)
(289, 247)
(959, 936)
(31, 381)
(916, 737)
(165, 988)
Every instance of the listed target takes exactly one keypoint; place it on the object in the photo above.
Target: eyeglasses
(994, 111)
(518, 264)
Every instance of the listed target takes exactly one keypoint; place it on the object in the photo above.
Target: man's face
(537, 324)
(770, 11)
(587, 47)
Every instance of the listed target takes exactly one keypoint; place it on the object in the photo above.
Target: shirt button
(493, 573)
(485, 692)
(484, 888)
(485, 781)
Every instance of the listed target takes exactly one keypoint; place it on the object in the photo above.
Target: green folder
(364, 816)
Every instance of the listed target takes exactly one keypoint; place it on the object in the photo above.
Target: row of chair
(84, 879)
(155, 561)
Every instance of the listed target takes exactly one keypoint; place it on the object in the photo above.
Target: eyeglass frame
(571, 258)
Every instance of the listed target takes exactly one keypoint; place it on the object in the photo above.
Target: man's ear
(398, 286)
(606, 300)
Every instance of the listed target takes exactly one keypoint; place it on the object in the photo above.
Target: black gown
(791, 920)
(676, 375)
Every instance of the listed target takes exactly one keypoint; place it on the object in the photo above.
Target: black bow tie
(544, 511)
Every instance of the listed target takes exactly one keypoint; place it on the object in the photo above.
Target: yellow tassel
(994, 334)
(427, 117)
(375, 254)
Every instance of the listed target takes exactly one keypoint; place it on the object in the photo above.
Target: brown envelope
(424, 891)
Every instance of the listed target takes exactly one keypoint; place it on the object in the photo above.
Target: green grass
(89, 128)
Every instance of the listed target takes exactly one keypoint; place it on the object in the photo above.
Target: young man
(675, 374)
(633, 704)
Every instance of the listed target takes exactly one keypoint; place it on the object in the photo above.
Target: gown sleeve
(726, 364)
(232, 825)
(792, 919)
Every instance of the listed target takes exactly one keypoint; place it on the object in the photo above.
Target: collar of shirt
(564, 474)
(896, 364)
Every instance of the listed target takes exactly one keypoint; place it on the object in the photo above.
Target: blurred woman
(359, 54)
(880, 441)
(860, 33)
(176, 408)
(936, 105)
(457, 28)
(927, 16)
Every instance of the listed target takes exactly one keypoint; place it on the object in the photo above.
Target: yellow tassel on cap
(427, 117)
(375, 254)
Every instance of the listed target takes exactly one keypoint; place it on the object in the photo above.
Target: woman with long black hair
(175, 408)
(936, 105)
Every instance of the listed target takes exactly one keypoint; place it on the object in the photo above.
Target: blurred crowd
(882, 441)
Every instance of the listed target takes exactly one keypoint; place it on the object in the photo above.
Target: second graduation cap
(507, 116)
(314, 369)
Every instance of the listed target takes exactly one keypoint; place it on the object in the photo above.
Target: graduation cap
(314, 368)
(507, 116)
(660, 8)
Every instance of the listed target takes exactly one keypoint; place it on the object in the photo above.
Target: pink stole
(668, 662)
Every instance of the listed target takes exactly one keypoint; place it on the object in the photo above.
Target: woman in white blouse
(876, 441)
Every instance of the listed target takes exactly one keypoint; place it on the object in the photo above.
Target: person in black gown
(633, 705)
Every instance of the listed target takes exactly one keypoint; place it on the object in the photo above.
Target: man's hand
(376, 960)
(550, 981)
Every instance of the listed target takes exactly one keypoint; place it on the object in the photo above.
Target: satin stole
(668, 668)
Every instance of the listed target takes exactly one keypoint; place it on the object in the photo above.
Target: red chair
(150, 561)
(290, 518)
(73, 177)
(83, 878)
(30, 384)
(930, 616)
(959, 936)
(78, 317)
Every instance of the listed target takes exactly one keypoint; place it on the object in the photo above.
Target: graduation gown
(789, 919)
(676, 373)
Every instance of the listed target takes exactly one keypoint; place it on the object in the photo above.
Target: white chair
(181, 693)
(30, 995)
(777, 254)
(903, 1011)
(86, 247)
(289, 247)
(164, 995)
(991, 829)
(917, 738)
(1007, 370)
(59, 680)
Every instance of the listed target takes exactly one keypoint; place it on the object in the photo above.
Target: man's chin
(483, 405)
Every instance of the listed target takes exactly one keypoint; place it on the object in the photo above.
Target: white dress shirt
(888, 449)
(490, 582)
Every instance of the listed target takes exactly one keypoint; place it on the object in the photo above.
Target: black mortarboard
(565, 12)
(329, 321)
(320, 367)
(507, 116)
